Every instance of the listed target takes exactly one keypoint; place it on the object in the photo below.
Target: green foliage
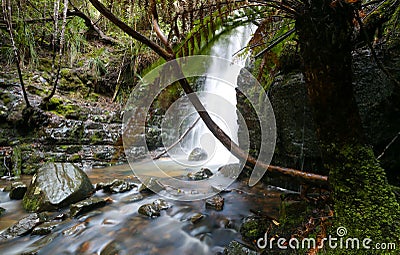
(75, 39)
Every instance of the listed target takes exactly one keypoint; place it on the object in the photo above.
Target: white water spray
(219, 98)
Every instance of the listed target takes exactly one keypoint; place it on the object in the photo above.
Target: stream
(118, 228)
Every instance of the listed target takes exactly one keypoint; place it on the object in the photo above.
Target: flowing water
(119, 226)
(219, 97)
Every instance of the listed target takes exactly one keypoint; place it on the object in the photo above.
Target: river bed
(118, 228)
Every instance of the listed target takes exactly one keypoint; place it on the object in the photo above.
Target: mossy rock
(57, 185)
(364, 202)
(253, 228)
(51, 105)
(16, 161)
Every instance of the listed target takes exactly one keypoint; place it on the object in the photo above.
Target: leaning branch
(303, 177)
(177, 141)
(131, 32)
(91, 25)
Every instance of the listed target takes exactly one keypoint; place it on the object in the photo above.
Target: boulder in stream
(17, 191)
(86, 206)
(45, 228)
(57, 185)
(151, 184)
(197, 154)
(24, 226)
(216, 203)
(116, 186)
(204, 173)
(153, 210)
(149, 210)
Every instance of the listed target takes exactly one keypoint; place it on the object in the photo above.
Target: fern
(207, 28)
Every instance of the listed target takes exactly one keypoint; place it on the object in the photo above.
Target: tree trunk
(6, 7)
(364, 203)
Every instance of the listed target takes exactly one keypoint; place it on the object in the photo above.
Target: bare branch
(133, 33)
(157, 29)
(177, 141)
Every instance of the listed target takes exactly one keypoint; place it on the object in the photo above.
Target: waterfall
(219, 98)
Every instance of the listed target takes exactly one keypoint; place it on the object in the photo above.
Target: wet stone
(153, 209)
(86, 206)
(149, 210)
(151, 184)
(161, 204)
(197, 154)
(204, 173)
(236, 248)
(196, 218)
(24, 226)
(45, 228)
(2, 211)
(230, 170)
(132, 198)
(76, 229)
(216, 203)
(57, 185)
(116, 186)
(17, 191)
(111, 248)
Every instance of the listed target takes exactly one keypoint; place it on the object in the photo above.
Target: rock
(57, 185)
(151, 184)
(196, 218)
(253, 228)
(45, 228)
(133, 198)
(17, 191)
(230, 170)
(161, 204)
(236, 248)
(204, 173)
(216, 203)
(197, 154)
(149, 210)
(86, 206)
(116, 186)
(112, 248)
(24, 226)
(76, 229)
(297, 145)
(2, 211)
(153, 209)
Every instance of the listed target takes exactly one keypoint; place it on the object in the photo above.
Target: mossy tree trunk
(364, 203)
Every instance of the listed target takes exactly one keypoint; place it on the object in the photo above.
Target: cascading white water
(219, 98)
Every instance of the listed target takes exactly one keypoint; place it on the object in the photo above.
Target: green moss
(17, 161)
(74, 158)
(96, 138)
(30, 204)
(44, 64)
(364, 202)
(36, 91)
(5, 97)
